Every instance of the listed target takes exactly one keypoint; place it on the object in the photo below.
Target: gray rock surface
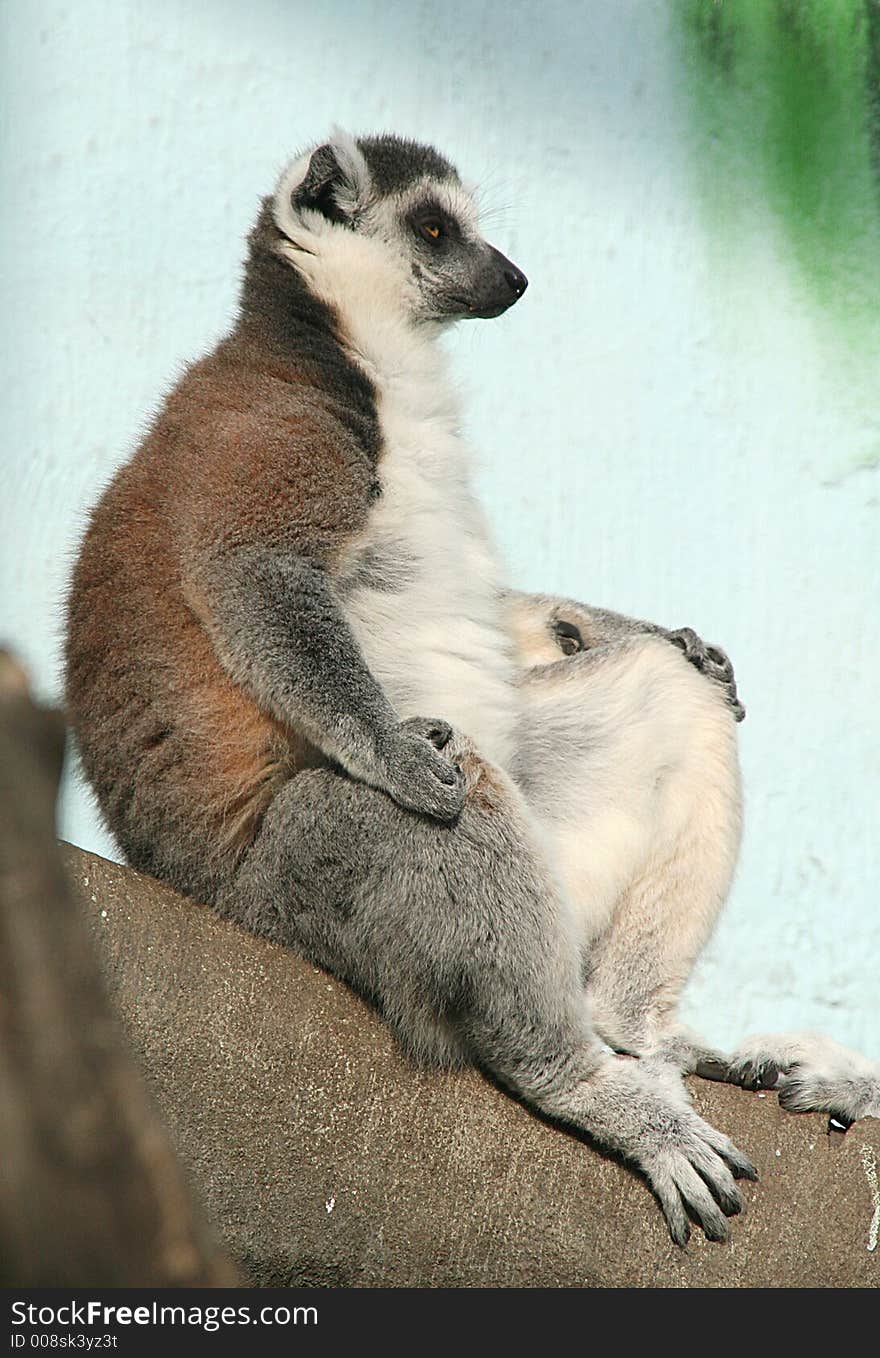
(324, 1159)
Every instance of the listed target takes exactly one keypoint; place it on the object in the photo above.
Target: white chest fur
(421, 583)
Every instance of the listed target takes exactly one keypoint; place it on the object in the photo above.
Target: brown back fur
(255, 445)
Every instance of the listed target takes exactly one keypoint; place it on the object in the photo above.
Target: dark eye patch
(568, 638)
(430, 213)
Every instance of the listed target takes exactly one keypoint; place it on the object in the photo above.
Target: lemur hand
(711, 661)
(416, 774)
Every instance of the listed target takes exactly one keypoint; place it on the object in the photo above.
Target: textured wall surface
(679, 421)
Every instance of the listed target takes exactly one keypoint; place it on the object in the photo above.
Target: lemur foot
(711, 661)
(696, 1178)
(811, 1074)
(690, 1166)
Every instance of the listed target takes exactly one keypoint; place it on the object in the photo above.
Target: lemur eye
(569, 638)
(432, 230)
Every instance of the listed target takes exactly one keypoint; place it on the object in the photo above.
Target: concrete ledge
(324, 1159)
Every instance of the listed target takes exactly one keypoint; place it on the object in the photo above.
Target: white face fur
(403, 234)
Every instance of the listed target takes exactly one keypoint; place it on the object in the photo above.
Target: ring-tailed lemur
(302, 693)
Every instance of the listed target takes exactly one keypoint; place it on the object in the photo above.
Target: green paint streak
(785, 101)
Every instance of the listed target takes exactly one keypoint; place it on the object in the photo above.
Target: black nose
(498, 284)
(516, 281)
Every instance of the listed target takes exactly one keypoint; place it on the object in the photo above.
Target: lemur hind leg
(638, 966)
(460, 935)
(618, 720)
(631, 766)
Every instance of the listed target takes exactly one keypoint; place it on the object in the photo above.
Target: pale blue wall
(668, 424)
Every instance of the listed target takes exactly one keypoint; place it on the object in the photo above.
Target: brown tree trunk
(91, 1192)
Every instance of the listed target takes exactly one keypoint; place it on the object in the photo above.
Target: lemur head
(390, 220)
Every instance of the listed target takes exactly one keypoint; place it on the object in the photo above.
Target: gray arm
(281, 634)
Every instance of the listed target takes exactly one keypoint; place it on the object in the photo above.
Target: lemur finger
(664, 1189)
(686, 639)
(756, 1074)
(439, 734)
(721, 663)
(700, 1201)
(433, 729)
(740, 1165)
(442, 770)
(443, 798)
(713, 1068)
(718, 1178)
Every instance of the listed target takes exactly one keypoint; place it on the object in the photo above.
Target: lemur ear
(336, 182)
